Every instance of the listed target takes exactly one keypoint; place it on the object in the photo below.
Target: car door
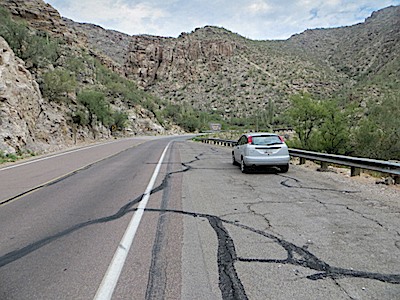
(239, 148)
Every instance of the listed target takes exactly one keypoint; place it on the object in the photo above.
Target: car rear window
(266, 140)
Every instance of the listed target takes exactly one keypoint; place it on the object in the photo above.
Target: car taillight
(281, 138)
(250, 140)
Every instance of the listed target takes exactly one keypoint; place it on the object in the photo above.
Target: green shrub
(119, 120)
(97, 105)
(57, 84)
(10, 157)
(80, 118)
(16, 34)
(75, 64)
(41, 50)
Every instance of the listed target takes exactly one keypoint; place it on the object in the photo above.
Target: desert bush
(57, 84)
(80, 117)
(119, 120)
(97, 106)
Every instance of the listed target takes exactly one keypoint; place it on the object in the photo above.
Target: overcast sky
(254, 19)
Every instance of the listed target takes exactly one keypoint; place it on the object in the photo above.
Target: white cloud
(258, 7)
(118, 15)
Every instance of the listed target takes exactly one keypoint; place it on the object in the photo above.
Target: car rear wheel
(243, 167)
(284, 168)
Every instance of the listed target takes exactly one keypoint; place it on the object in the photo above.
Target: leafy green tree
(378, 134)
(335, 130)
(305, 115)
(57, 84)
(97, 106)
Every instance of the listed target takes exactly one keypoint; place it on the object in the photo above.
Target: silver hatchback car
(261, 149)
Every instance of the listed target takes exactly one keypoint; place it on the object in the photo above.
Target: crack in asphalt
(288, 185)
(17, 254)
(344, 290)
(251, 210)
(157, 280)
(47, 184)
(285, 183)
(229, 281)
(297, 256)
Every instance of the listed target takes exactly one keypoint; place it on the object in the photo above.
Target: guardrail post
(355, 171)
(396, 179)
(302, 160)
(324, 165)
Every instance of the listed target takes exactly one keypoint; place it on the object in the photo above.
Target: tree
(378, 134)
(305, 115)
(57, 84)
(97, 105)
(334, 130)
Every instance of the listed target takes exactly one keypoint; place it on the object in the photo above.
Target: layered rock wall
(21, 104)
(155, 58)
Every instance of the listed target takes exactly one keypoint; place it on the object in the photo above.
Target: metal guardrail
(355, 163)
(218, 142)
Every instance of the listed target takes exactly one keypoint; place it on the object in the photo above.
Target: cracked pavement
(302, 235)
(221, 234)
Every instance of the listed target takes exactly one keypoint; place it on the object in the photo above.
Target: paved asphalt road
(207, 231)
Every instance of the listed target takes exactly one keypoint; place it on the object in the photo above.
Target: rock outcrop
(27, 123)
(41, 16)
(164, 59)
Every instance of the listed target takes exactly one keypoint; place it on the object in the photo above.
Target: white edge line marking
(63, 153)
(110, 279)
(53, 156)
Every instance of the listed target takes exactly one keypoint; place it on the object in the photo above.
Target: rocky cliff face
(41, 16)
(150, 59)
(26, 121)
